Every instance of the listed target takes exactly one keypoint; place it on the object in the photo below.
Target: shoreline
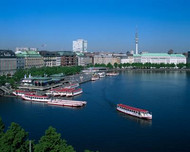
(159, 70)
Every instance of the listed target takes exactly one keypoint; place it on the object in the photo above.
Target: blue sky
(108, 25)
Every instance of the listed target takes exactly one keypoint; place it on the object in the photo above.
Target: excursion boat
(95, 77)
(57, 92)
(74, 85)
(140, 113)
(68, 103)
(112, 74)
(20, 93)
(73, 92)
(38, 98)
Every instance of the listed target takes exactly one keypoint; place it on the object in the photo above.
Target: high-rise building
(80, 45)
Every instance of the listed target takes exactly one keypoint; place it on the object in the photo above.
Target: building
(84, 60)
(68, 58)
(51, 59)
(159, 58)
(80, 45)
(8, 62)
(31, 59)
(128, 59)
(20, 62)
(25, 49)
(105, 59)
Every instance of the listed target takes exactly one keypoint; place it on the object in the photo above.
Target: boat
(102, 74)
(20, 93)
(38, 98)
(67, 103)
(112, 73)
(95, 77)
(73, 85)
(140, 113)
(73, 92)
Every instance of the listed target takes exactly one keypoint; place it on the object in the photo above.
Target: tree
(115, 65)
(110, 66)
(2, 127)
(14, 139)
(52, 142)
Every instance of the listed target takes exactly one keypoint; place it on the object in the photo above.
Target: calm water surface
(98, 126)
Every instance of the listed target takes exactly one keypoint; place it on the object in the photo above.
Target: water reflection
(142, 122)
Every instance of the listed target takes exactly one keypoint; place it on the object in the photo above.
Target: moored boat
(140, 113)
(20, 93)
(112, 73)
(95, 77)
(38, 98)
(68, 103)
(74, 92)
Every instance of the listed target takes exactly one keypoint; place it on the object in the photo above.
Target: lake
(98, 126)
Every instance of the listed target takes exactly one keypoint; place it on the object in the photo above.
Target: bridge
(4, 90)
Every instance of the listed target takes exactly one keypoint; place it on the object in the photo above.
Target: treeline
(143, 66)
(15, 139)
(38, 72)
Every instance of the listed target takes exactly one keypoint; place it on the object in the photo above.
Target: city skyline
(106, 25)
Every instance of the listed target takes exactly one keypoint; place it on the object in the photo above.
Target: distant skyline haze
(107, 25)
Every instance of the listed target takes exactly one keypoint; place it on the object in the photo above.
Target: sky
(107, 25)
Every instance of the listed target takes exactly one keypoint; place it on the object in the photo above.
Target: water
(98, 126)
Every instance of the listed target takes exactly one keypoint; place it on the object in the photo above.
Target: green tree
(110, 66)
(52, 142)
(14, 139)
(115, 65)
(2, 127)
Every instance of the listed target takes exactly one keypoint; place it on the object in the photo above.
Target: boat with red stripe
(140, 113)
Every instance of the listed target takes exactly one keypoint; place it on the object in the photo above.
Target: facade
(80, 45)
(84, 60)
(106, 58)
(51, 59)
(159, 58)
(8, 62)
(31, 59)
(68, 58)
(20, 62)
(128, 59)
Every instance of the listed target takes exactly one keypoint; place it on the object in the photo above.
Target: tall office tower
(80, 45)
(136, 42)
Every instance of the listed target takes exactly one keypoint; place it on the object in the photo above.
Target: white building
(20, 49)
(128, 59)
(80, 45)
(159, 58)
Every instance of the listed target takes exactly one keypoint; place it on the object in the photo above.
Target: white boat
(102, 74)
(73, 92)
(20, 93)
(140, 113)
(95, 77)
(68, 103)
(37, 98)
(112, 74)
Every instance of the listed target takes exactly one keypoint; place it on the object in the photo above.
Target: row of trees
(15, 139)
(38, 72)
(142, 66)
